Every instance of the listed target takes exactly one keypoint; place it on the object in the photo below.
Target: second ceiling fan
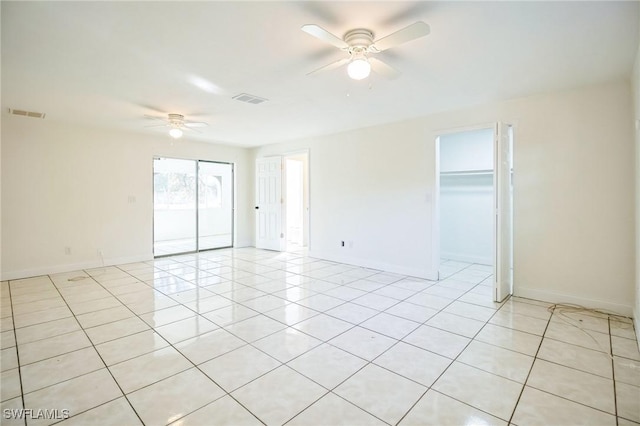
(359, 44)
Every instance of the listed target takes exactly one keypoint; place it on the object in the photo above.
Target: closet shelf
(467, 173)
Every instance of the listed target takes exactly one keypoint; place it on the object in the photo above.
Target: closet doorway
(192, 206)
(475, 207)
(296, 197)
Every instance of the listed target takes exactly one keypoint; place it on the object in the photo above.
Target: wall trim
(552, 297)
(382, 266)
(57, 269)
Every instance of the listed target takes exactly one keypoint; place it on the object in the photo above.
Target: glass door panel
(174, 206)
(215, 205)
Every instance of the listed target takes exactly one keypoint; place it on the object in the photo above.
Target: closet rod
(468, 173)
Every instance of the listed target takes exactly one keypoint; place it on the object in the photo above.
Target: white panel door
(269, 203)
(503, 265)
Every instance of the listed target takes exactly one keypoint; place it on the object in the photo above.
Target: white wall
(573, 204)
(68, 186)
(466, 218)
(466, 201)
(468, 150)
(304, 159)
(63, 185)
(360, 190)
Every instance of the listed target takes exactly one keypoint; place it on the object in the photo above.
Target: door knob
(257, 207)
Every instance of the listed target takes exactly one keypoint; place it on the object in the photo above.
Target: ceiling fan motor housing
(358, 40)
(176, 119)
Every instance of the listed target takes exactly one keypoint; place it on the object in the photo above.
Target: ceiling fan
(360, 44)
(176, 124)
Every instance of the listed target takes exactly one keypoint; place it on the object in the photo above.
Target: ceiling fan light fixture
(359, 69)
(175, 133)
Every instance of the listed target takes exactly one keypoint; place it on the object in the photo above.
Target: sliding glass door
(215, 205)
(174, 206)
(192, 206)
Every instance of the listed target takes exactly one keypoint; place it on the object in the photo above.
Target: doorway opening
(296, 197)
(282, 202)
(192, 206)
(475, 209)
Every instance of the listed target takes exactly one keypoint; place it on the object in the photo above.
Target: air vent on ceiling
(250, 99)
(26, 113)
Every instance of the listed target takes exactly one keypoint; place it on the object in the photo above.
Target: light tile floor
(244, 336)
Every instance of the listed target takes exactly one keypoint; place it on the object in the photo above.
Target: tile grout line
(574, 369)
(246, 344)
(155, 332)
(256, 261)
(285, 364)
(152, 329)
(196, 366)
(93, 279)
(251, 344)
(613, 373)
(449, 366)
(524, 384)
(402, 340)
(96, 350)
(260, 313)
(326, 342)
(370, 362)
(15, 337)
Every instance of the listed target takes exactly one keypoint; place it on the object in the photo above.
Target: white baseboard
(552, 297)
(243, 243)
(57, 269)
(382, 266)
(482, 260)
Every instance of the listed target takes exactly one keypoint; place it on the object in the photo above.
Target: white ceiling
(108, 64)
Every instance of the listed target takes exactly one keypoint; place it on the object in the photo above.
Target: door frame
(283, 156)
(306, 213)
(233, 206)
(435, 227)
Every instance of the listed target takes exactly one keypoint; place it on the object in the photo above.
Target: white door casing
(269, 204)
(503, 275)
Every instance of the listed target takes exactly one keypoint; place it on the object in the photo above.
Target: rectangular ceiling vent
(26, 113)
(250, 99)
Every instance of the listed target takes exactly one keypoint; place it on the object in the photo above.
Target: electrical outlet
(132, 199)
(67, 250)
(342, 243)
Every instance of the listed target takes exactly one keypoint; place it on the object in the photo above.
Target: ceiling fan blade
(191, 124)
(384, 69)
(152, 117)
(412, 32)
(191, 129)
(158, 125)
(324, 35)
(331, 66)
(150, 107)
